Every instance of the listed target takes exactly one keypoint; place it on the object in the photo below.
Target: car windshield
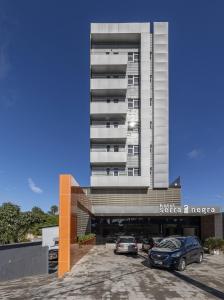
(171, 243)
(126, 240)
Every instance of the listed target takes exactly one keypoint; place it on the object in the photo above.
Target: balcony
(119, 181)
(103, 63)
(107, 158)
(103, 133)
(108, 86)
(100, 108)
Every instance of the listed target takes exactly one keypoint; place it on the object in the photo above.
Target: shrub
(85, 237)
(214, 244)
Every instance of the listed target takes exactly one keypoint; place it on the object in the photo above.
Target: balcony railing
(112, 62)
(108, 157)
(101, 108)
(108, 86)
(108, 133)
(122, 181)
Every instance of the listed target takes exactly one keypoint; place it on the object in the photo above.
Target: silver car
(126, 244)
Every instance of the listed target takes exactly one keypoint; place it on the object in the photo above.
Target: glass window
(130, 171)
(115, 124)
(108, 125)
(136, 149)
(108, 100)
(136, 171)
(136, 79)
(108, 171)
(130, 79)
(108, 148)
(136, 56)
(136, 103)
(133, 126)
(130, 149)
(130, 103)
(115, 100)
(115, 171)
(116, 148)
(130, 56)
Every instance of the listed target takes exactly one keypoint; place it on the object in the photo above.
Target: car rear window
(126, 240)
(170, 243)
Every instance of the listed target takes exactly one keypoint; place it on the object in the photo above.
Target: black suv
(176, 252)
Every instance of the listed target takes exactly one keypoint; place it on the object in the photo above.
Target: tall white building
(129, 113)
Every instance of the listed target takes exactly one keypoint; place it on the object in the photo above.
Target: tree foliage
(15, 224)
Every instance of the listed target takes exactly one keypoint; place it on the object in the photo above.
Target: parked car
(176, 252)
(147, 244)
(126, 244)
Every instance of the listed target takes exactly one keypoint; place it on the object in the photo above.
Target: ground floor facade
(109, 212)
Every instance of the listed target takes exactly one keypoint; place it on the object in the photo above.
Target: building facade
(129, 105)
(129, 190)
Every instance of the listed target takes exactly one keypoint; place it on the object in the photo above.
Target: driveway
(103, 275)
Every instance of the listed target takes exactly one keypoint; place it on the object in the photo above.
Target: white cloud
(34, 188)
(195, 153)
(220, 196)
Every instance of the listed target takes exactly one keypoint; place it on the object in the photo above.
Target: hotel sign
(187, 209)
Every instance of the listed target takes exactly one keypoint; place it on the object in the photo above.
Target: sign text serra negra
(186, 209)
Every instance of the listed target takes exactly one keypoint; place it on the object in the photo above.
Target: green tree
(14, 224)
(53, 210)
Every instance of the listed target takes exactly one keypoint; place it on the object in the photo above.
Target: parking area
(103, 275)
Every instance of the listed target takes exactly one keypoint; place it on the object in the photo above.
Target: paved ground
(103, 275)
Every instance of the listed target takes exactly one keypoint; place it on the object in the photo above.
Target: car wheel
(200, 258)
(115, 252)
(182, 265)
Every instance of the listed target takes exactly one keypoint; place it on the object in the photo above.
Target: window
(130, 103)
(115, 171)
(108, 100)
(133, 56)
(150, 124)
(108, 171)
(107, 53)
(115, 124)
(133, 126)
(116, 148)
(130, 171)
(116, 52)
(150, 78)
(133, 150)
(130, 149)
(150, 147)
(136, 171)
(115, 100)
(108, 125)
(133, 171)
(136, 103)
(136, 149)
(133, 103)
(108, 148)
(130, 56)
(133, 80)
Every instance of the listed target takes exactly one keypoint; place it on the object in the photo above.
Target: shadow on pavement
(198, 284)
(188, 279)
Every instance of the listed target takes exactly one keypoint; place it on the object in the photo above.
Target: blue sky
(44, 93)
